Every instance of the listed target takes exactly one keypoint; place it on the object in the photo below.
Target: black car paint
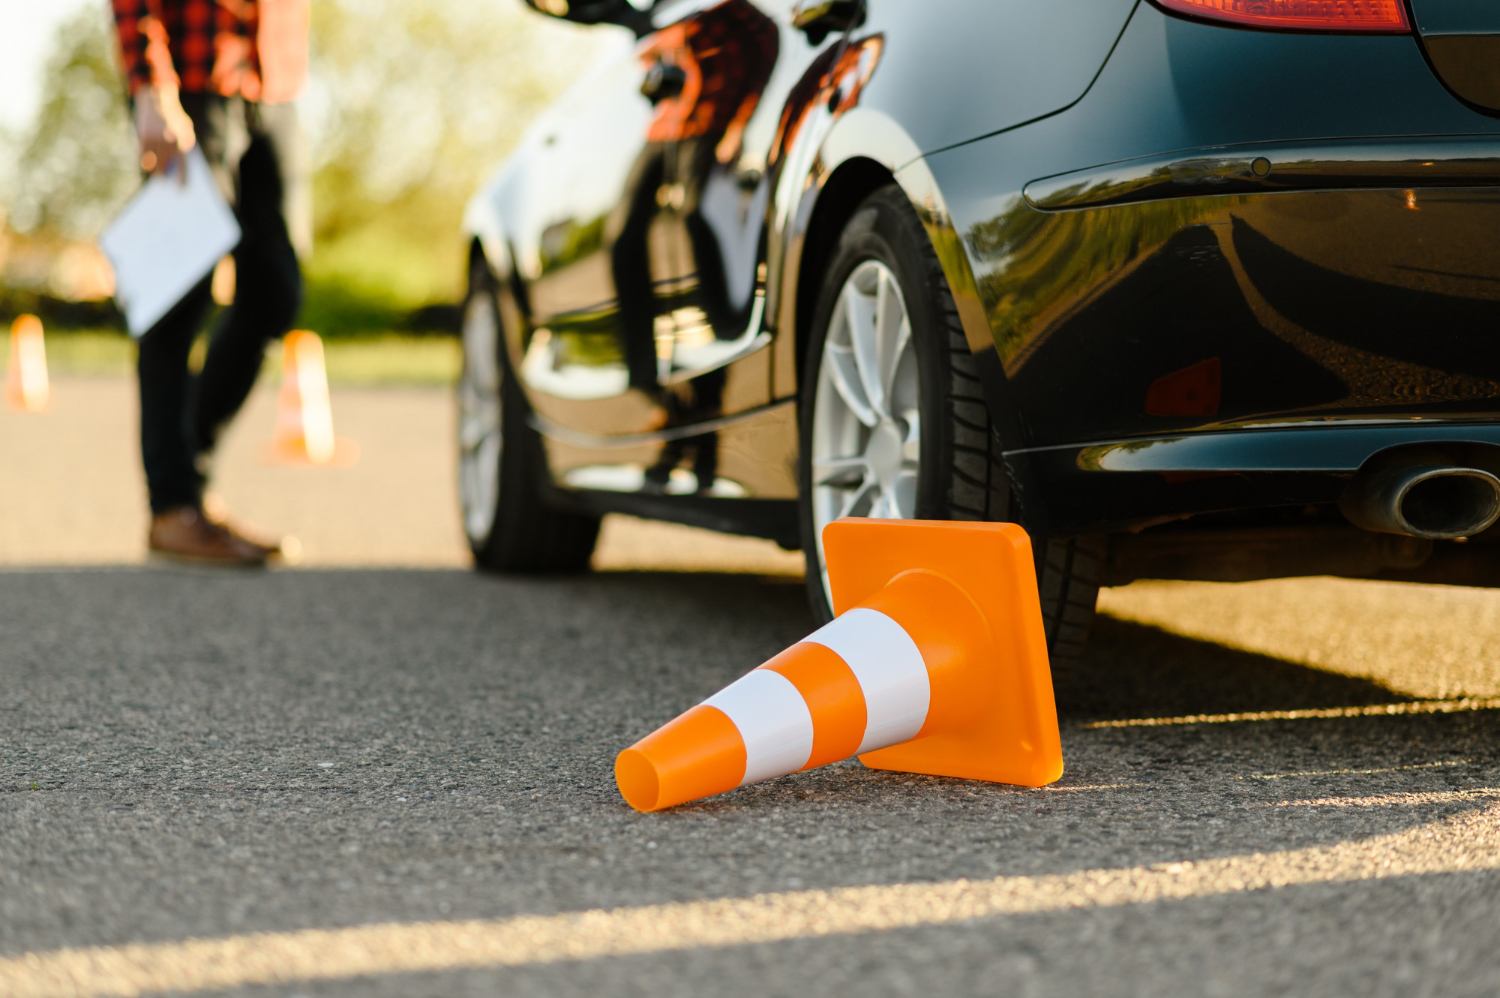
(1462, 41)
(1279, 248)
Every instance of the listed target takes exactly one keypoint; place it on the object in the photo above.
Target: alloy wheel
(866, 427)
(480, 431)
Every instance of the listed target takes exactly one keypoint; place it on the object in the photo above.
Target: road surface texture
(382, 774)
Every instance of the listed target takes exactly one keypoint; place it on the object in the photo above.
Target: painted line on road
(1467, 842)
(1311, 713)
(1416, 799)
(1443, 764)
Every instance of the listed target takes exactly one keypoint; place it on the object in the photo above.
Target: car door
(740, 59)
(596, 252)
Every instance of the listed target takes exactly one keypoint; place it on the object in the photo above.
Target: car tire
(951, 466)
(508, 523)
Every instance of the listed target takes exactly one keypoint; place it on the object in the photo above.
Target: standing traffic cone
(936, 663)
(304, 413)
(26, 386)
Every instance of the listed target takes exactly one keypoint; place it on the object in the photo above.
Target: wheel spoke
(478, 417)
(911, 446)
(892, 332)
(861, 312)
(841, 472)
(843, 373)
(856, 497)
(475, 432)
(469, 434)
(903, 496)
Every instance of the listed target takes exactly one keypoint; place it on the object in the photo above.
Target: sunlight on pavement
(1445, 764)
(1468, 842)
(643, 545)
(1399, 800)
(82, 495)
(83, 500)
(1426, 642)
(1309, 714)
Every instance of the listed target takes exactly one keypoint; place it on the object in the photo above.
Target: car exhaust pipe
(1437, 501)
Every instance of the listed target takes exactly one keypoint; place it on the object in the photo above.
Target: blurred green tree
(411, 106)
(411, 103)
(77, 164)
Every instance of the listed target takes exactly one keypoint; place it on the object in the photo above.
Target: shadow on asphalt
(1129, 670)
(1136, 670)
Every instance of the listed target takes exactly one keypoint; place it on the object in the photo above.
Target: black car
(1192, 289)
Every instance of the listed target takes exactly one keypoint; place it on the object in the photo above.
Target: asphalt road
(381, 774)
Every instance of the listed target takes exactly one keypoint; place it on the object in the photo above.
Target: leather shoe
(185, 534)
(285, 550)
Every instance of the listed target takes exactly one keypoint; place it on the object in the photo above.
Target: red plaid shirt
(255, 49)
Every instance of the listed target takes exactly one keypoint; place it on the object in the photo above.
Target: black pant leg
(168, 449)
(630, 265)
(268, 279)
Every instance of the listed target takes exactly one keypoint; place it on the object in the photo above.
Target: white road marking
(1312, 713)
(1465, 843)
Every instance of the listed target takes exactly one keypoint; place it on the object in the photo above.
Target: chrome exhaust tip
(1436, 501)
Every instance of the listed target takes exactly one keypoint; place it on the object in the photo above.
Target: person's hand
(163, 128)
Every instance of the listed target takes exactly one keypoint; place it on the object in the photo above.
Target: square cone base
(1012, 734)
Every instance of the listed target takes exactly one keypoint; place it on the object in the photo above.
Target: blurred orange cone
(936, 663)
(26, 387)
(304, 412)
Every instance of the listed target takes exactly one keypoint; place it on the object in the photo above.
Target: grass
(367, 361)
(394, 360)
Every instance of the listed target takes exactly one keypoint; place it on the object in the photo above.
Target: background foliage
(411, 104)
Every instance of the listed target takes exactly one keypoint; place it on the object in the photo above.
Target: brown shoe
(185, 534)
(286, 550)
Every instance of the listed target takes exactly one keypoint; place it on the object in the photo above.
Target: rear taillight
(1309, 15)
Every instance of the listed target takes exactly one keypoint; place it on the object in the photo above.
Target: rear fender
(867, 139)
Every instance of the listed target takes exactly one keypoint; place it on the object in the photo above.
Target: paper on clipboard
(167, 239)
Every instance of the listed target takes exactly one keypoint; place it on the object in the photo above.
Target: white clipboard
(166, 239)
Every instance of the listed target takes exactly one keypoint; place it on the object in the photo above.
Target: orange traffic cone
(936, 663)
(304, 413)
(26, 386)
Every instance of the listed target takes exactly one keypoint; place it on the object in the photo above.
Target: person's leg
(630, 265)
(268, 279)
(168, 446)
(168, 442)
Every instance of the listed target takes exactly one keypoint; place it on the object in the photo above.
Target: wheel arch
(489, 244)
(866, 149)
(845, 188)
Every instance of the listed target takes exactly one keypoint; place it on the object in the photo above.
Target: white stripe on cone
(890, 671)
(774, 719)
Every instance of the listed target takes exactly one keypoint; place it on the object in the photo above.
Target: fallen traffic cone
(26, 386)
(936, 663)
(304, 412)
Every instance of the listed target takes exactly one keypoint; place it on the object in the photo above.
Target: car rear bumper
(1284, 234)
(1176, 350)
(1131, 484)
(1426, 162)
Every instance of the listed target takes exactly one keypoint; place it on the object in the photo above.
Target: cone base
(1012, 735)
(31, 408)
(345, 454)
(985, 754)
